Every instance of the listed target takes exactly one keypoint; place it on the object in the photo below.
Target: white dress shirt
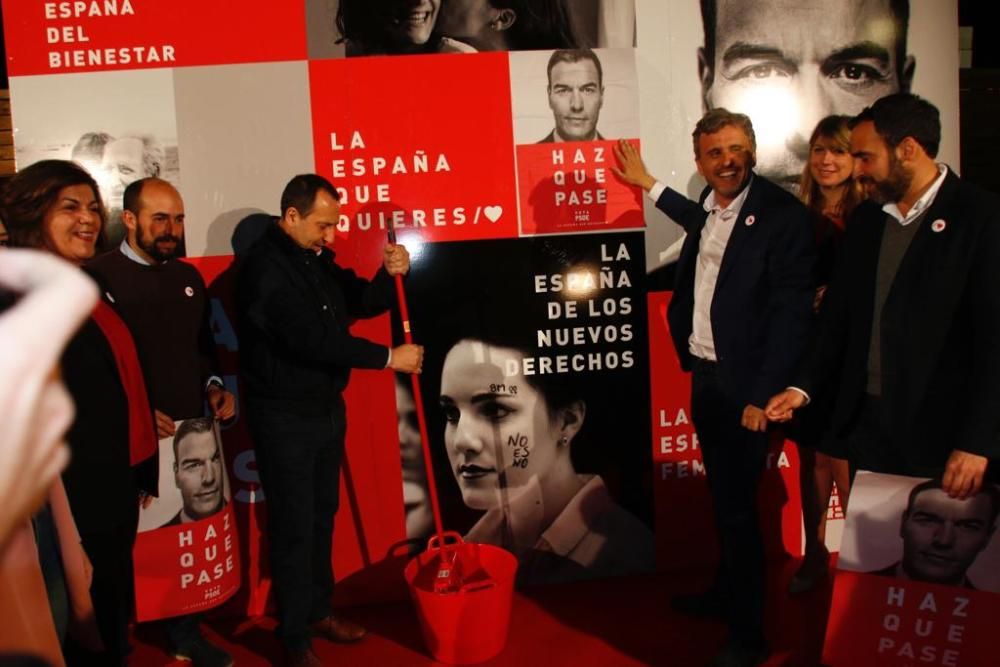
(921, 204)
(711, 248)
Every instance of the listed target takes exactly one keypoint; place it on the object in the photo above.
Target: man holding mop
(295, 306)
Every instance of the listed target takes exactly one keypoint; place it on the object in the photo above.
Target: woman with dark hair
(374, 27)
(508, 25)
(510, 435)
(55, 205)
(830, 192)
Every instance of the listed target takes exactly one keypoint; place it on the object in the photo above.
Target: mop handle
(418, 401)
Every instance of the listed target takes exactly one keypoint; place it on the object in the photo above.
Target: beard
(891, 188)
(152, 248)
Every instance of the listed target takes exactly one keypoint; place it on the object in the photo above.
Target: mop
(458, 568)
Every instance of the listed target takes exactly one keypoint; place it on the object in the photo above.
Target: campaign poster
(187, 552)
(353, 28)
(117, 139)
(786, 64)
(415, 157)
(535, 385)
(570, 107)
(918, 576)
(62, 36)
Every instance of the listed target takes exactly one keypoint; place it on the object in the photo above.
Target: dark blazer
(940, 332)
(101, 484)
(761, 309)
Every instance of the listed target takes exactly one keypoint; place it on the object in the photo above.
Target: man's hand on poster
(963, 474)
(396, 260)
(631, 168)
(407, 358)
(221, 401)
(164, 425)
(782, 406)
(754, 419)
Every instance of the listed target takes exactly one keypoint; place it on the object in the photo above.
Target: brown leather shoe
(338, 630)
(303, 658)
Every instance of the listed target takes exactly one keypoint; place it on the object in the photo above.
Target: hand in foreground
(407, 358)
(632, 170)
(782, 406)
(164, 425)
(222, 402)
(396, 260)
(754, 419)
(963, 474)
(35, 408)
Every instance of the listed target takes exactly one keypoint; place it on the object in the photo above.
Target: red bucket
(469, 625)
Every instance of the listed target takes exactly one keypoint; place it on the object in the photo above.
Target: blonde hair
(834, 128)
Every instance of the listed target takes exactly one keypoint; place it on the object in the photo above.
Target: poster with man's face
(789, 64)
(570, 106)
(117, 137)
(186, 554)
(786, 64)
(919, 570)
(913, 530)
(193, 481)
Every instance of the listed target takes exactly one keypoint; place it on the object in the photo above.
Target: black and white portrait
(911, 529)
(193, 483)
(786, 64)
(400, 27)
(536, 391)
(120, 126)
(574, 95)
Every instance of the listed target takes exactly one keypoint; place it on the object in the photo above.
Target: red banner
(568, 186)
(184, 568)
(878, 620)
(94, 35)
(187, 553)
(423, 156)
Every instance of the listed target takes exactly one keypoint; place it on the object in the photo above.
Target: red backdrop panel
(420, 152)
(89, 35)
(568, 187)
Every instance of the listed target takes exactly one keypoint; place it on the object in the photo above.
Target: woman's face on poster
(465, 18)
(488, 405)
(412, 21)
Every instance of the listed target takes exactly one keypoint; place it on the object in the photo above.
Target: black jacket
(101, 484)
(762, 307)
(295, 307)
(940, 332)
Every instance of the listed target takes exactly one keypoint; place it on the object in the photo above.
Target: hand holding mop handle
(449, 576)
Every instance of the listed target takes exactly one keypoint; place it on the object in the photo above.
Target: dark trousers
(183, 631)
(869, 445)
(298, 459)
(734, 459)
(111, 590)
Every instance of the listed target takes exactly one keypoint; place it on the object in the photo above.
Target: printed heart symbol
(493, 212)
